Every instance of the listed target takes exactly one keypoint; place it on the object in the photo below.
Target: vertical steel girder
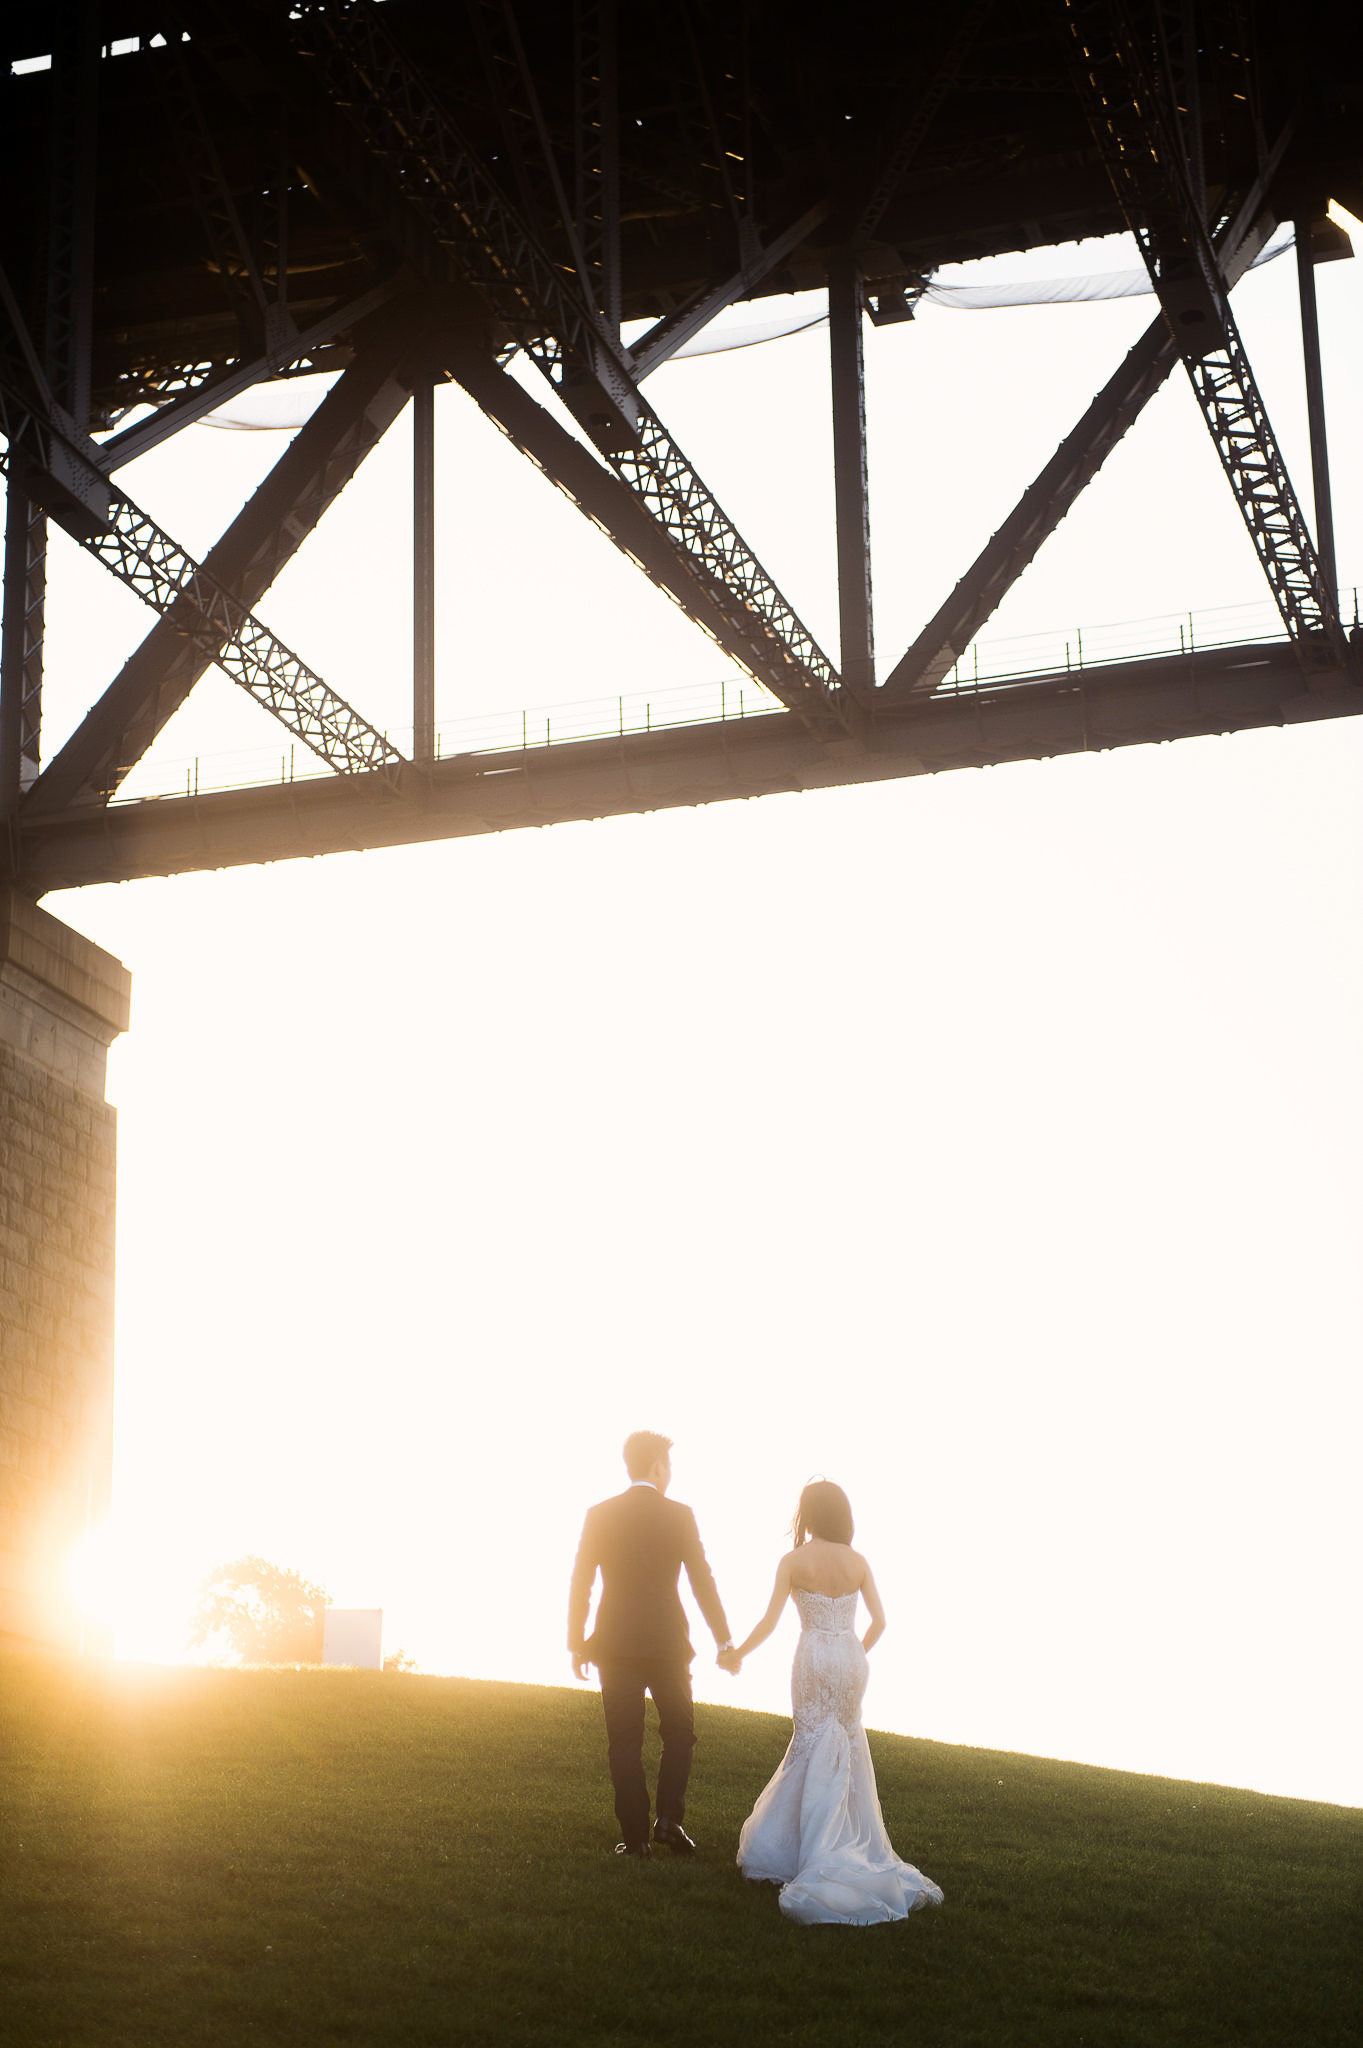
(1315, 409)
(1148, 165)
(21, 646)
(64, 374)
(365, 73)
(423, 568)
(848, 367)
(206, 610)
(598, 154)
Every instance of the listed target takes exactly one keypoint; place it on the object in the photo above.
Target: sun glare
(90, 1575)
(144, 1600)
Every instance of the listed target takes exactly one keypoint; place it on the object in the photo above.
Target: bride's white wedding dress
(817, 1829)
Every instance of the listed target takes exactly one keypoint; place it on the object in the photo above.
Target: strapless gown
(817, 1829)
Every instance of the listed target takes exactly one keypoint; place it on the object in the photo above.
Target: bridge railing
(1023, 657)
(988, 664)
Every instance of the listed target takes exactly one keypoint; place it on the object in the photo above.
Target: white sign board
(353, 1635)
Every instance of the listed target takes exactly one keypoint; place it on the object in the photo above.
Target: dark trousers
(624, 1684)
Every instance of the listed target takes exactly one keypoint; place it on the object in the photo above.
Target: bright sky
(988, 1143)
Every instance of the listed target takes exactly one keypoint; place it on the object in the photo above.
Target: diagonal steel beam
(207, 612)
(1034, 518)
(361, 68)
(675, 329)
(706, 597)
(1046, 501)
(1137, 134)
(231, 382)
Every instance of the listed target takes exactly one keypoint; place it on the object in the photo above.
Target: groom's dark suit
(639, 1542)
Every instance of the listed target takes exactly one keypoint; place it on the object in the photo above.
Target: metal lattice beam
(1148, 163)
(604, 499)
(226, 632)
(407, 130)
(207, 615)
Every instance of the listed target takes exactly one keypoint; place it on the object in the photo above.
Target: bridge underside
(412, 193)
(1232, 689)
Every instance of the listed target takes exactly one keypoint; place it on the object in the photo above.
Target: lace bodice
(826, 1613)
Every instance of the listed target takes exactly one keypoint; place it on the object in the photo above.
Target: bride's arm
(779, 1595)
(874, 1608)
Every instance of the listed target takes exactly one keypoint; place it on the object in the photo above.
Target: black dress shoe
(670, 1834)
(632, 1849)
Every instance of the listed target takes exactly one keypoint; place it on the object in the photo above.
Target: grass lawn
(227, 1858)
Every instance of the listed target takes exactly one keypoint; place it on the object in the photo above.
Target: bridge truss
(410, 194)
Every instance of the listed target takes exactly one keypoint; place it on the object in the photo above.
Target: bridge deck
(1071, 710)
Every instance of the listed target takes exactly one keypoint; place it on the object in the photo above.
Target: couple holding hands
(816, 1829)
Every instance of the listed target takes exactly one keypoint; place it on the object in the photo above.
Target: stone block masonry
(63, 1001)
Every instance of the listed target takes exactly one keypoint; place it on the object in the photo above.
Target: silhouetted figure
(639, 1541)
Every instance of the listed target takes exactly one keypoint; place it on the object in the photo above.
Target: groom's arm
(580, 1597)
(703, 1580)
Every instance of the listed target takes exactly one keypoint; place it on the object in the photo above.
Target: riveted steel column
(423, 568)
(21, 646)
(1315, 410)
(849, 474)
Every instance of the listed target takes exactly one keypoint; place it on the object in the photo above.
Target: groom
(639, 1542)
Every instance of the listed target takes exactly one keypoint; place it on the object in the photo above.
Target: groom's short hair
(643, 1450)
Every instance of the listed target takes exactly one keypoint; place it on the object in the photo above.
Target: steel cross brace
(1150, 174)
(196, 606)
(226, 632)
(364, 72)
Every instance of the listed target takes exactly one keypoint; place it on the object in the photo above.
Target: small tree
(398, 1660)
(264, 1614)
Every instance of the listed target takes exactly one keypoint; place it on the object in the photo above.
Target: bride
(817, 1829)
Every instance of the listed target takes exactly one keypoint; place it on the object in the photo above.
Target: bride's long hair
(824, 1511)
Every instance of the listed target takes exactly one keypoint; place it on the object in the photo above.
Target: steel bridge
(409, 193)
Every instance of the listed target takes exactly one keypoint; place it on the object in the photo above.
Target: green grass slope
(216, 1857)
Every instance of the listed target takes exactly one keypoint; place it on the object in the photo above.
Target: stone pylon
(63, 1001)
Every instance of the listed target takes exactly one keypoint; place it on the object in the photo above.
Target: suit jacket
(639, 1541)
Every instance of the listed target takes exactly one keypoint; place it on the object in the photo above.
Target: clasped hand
(730, 1661)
